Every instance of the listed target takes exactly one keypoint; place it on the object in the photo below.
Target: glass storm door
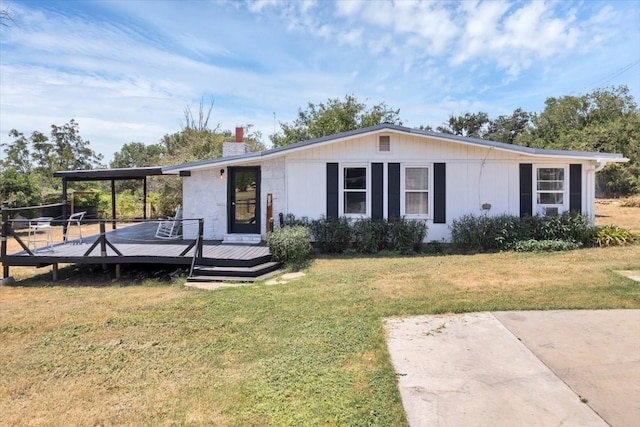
(244, 200)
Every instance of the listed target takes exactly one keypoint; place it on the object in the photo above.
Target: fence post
(103, 243)
(3, 245)
(200, 236)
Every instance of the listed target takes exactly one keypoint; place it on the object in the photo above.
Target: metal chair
(74, 223)
(40, 232)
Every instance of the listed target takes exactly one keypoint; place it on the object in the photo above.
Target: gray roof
(230, 160)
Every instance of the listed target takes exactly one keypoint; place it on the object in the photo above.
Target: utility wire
(613, 75)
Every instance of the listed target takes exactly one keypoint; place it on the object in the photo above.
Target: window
(550, 190)
(354, 190)
(416, 191)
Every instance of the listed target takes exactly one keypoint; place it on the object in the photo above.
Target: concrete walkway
(533, 368)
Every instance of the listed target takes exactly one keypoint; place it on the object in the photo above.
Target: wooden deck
(137, 244)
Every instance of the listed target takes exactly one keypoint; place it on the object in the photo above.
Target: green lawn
(309, 352)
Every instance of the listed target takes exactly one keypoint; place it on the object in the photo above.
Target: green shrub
(568, 226)
(332, 235)
(407, 235)
(506, 230)
(612, 235)
(433, 248)
(370, 235)
(290, 245)
(471, 233)
(290, 219)
(545, 245)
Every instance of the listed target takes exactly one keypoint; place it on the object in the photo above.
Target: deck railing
(103, 240)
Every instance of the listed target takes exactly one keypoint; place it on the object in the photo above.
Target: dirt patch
(609, 211)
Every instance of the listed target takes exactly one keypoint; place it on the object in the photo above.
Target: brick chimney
(239, 134)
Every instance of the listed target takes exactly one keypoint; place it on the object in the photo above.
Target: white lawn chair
(74, 226)
(171, 227)
(40, 232)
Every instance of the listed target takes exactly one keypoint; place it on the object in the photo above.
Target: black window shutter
(526, 189)
(439, 193)
(377, 182)
(575, 188)
(332, 190)
(393, 195)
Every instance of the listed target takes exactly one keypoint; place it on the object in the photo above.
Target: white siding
(297, 180)
(307, 188)
(273, 180)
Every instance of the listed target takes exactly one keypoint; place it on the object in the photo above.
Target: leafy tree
(561, 123)
(605, 120)
(137, 154)
(70, 151)
(37, 157)
(18, 154)
(333, 117)
(18, 188)
(507, 128)
(470, 125)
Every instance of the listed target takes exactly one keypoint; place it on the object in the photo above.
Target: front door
(244, 200)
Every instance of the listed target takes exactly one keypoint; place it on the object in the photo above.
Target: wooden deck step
(236, 271)
(231, 278)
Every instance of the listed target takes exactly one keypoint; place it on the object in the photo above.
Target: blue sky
(126, 70)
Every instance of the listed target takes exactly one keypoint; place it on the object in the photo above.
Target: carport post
(65, 224)
(113, 203)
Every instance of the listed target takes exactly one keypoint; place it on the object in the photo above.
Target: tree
(507, 128)
(71, 152)
(18, 155)
(5, 18)
(605, 120)
(470, 125)
(37, 157)
(197, 141)
(333, 117)
(18, 188)
(137, 154)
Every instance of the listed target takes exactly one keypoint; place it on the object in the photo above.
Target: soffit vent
(384, 143)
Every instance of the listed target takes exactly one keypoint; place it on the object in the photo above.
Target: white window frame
(540, 208)
(403, 191)
(342, 190)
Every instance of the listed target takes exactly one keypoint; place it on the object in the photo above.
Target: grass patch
(311, 352)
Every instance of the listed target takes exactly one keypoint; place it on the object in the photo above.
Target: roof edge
(528, 151)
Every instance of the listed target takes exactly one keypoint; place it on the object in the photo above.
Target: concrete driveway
(524, 368)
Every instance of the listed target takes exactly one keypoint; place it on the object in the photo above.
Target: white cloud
(352, 37)
(349, 8)
(258, 6)
(126, 75)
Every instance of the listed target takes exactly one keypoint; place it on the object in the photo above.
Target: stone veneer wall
(234, 149)
(205, 196)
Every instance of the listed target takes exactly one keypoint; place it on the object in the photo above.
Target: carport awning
(108, 175)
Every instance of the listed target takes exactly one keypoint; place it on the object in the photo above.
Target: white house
(384, 171)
